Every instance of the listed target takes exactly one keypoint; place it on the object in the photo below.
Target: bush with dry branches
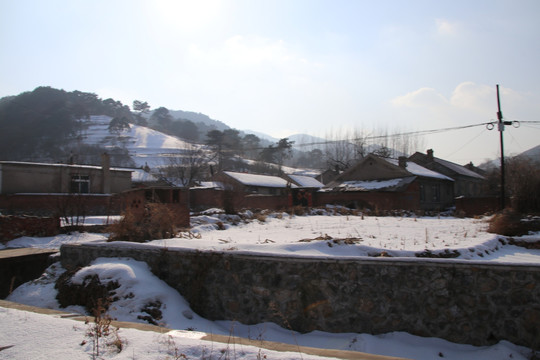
(157, 222)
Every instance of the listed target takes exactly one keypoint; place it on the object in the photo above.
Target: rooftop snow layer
(259, 180)
(306, 181)
(418, 170)
(75, 166)
(369, 185)
(462, 170)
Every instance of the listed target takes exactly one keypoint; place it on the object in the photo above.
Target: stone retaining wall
(465, 302)
(12, 227)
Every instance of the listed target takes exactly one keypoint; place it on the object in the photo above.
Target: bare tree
(340, 150)
(185, 168)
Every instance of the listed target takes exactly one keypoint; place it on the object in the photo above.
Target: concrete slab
(11, 253)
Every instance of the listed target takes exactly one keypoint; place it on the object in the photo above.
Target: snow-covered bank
(38, 335)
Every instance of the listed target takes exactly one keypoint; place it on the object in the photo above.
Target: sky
(282, 67)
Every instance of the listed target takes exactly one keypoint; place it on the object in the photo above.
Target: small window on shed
(80, 184)
(176, 196)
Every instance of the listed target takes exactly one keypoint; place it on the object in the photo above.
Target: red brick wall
(407, 200)
(201, 199)
(12, 227)
(477, 206)
(59, 205)
(261, 202)
(371, 200)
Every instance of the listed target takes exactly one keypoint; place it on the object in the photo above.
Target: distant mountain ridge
(199, 117)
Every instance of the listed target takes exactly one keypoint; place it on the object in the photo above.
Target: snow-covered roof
(60, 165)
(371, 185)
(306, 181)
(209, 185)
(141, 176)
(259, 180)
(418, 170)
(462, 170)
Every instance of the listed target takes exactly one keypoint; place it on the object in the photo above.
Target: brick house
(306, 186)
(251, 191)
(253, 183)
(60, 189)
(41, 178)
(388, 184)
(467, 183)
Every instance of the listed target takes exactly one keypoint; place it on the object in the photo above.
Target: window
(80, 184)
(436, 189)
(422, 193)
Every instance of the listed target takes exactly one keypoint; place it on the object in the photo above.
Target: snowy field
(325, 235)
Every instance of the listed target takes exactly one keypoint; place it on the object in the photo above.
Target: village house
(306, 186)
(388, 184)
(234, 191)
(253, 183)
(50, 189)
(40, 178)
(467, 183)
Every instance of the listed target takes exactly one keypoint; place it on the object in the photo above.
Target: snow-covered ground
(325, 235)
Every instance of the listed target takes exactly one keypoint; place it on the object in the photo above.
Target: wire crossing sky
(283, 67)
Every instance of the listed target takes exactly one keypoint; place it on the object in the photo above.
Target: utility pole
(501, 124)
(501, 129)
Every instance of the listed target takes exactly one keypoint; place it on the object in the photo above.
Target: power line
(387, 136)
(489, 125)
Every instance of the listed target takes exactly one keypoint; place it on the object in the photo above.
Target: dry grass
(508, 223)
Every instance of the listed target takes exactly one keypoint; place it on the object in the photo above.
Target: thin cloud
(422, 98)
(474, 97)
(446, 28)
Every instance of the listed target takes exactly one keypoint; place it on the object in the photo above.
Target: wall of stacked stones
(464, 302)
(12, 227)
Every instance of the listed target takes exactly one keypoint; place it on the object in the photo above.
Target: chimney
(105, 173)
(430, 154)
(402, 162)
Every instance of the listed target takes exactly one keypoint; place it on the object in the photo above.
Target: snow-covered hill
(533, 154)
(144, 145)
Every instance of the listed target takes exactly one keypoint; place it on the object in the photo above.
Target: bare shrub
(523, 178)
(508, 223)
(158, 222)
(101, 333)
